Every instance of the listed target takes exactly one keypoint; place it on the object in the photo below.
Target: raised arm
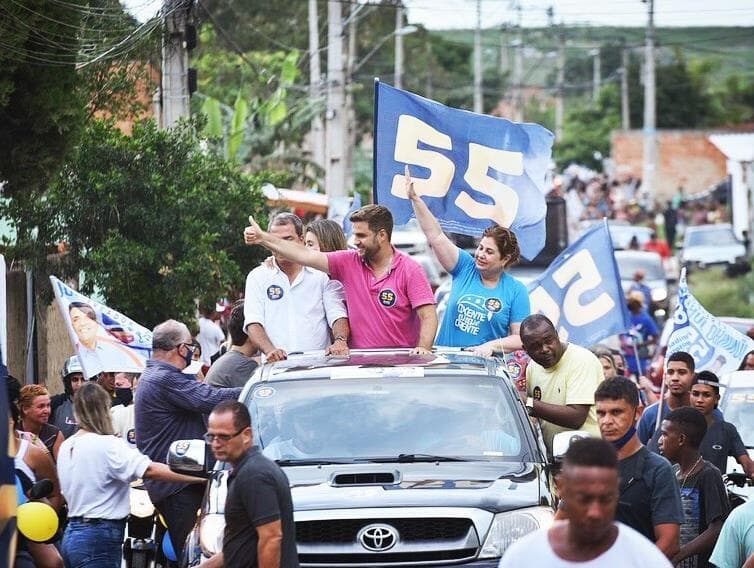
(444, 249)
(254, 235)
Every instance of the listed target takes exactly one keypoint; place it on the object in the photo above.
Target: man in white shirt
(210, 336)
(590, 537)
(289, 307)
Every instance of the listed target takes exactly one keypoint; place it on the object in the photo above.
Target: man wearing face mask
(649, 498)
(169, 406)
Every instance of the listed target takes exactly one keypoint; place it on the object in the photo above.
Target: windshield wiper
(409, 458)
(311, 461)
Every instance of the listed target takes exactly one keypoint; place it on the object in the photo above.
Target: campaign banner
(714, 345)
(581, 291)
(472, 170)
(104, 339)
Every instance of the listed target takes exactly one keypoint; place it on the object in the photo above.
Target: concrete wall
(685, 157)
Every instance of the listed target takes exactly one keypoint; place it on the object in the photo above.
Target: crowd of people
(314, 294)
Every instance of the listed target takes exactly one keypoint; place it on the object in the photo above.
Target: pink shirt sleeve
(337, 263)
(419, 290)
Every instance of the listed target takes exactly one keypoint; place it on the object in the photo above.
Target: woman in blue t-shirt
(486, 305)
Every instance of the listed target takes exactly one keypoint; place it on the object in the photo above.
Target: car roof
(710, 227)
(378, 363)
(649, 256)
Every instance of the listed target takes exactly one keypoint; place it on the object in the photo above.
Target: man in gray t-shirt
(234, 368)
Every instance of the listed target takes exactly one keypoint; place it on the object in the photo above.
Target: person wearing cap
(62, 404)
(722, 438)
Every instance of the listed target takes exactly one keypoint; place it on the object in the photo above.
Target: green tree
(152, 220)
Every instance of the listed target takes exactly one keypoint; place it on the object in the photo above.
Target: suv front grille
(339, 531)
(388, 557)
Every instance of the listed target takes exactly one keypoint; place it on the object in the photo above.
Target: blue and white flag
(472, 170)
(105, 340)
(581, 291)
(715, 346)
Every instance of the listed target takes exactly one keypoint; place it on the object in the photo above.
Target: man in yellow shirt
(560, 381)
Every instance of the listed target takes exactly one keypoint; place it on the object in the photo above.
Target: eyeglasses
(192, 347)
(224, 438)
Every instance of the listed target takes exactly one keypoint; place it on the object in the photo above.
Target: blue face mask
(625, 438)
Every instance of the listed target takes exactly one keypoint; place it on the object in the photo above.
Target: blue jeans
(95, 544)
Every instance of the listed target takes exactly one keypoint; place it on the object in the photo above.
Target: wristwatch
(530, 405)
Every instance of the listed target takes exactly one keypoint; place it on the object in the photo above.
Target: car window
(716, 238)
(652, 267)
(361, 419)
(738, 408)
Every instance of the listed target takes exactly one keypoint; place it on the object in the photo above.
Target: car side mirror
(190, 457)
(563, 440)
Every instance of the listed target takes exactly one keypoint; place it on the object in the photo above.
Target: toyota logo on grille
(378, 538)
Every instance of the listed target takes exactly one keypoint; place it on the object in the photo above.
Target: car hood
(712, 254)
(494, 487)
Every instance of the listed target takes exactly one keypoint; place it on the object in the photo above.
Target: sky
(448, 14)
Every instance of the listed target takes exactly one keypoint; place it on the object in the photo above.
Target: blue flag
(715, 346)
(472, 170)
(581, 292)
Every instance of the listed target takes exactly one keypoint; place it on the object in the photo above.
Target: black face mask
(189, 356)
(124, 396)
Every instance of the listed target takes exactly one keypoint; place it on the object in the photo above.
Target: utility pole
(350, 144)
(560, 98)
(478, 59)
(650, 134)
(625, 112)
(428, 79)
(175, 91)
(398, 82)
(596, 73)
(335, 117)
(317, 134)
(518, 71)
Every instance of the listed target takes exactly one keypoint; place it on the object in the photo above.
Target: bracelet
(340, 338)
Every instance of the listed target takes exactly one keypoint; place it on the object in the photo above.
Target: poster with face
(105, 340)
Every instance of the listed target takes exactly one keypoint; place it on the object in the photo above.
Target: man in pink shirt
(390, 301)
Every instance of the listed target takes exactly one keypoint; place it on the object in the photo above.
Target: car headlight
(659, 294)
(506, 528)
(211, 529)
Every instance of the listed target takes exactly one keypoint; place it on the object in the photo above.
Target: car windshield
(738, 409)
(363, 419)
(716, 238)
(621, 235)
(652, 267)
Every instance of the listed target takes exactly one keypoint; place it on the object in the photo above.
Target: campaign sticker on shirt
(264, 392)
(514, 370)
(274, 292)
(493, 305)
(537, 394)
(131, 436)
(388, 298)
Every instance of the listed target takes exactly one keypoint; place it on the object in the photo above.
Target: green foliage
(723, 296)
(41, 111)
(152, 220)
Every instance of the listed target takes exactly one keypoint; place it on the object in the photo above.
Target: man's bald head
(534, 324)
(167, 335)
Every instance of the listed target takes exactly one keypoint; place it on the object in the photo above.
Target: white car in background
(707, 245)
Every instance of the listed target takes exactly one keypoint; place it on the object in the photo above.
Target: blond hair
(91, 407)
(27, 395)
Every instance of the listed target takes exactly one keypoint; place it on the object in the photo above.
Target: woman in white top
(95, 468)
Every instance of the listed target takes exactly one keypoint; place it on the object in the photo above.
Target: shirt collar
(252, 451)
(394, 260)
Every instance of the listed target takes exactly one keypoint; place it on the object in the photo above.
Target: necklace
(693, 467)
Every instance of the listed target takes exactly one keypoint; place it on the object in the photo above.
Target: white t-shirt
(123, 423)
(630, 550)
(210, 338)
(95, 471)
(296, 316)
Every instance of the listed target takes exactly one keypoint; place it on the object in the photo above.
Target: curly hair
(506, 242)
(27, 395)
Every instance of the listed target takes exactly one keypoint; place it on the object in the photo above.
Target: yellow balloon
(37, 521)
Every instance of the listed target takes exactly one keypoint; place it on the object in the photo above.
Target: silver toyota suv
(393, 459)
